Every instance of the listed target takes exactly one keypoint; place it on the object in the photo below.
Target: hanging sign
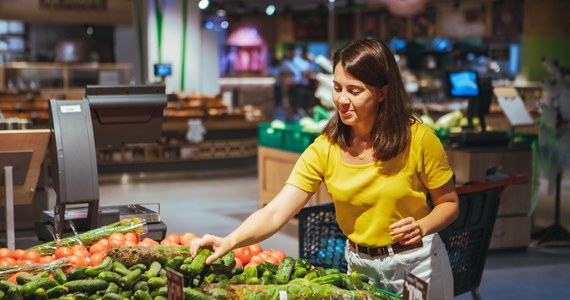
(415, 288)
(175, 284)
(74, 4)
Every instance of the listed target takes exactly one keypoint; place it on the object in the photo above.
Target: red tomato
(273, 260)
(98, 248)
(167, 242)
(46, 259)
(5, 252)
(104, 242)
(7, 261)
(130, 243)
(173, 237)
(187, 237)
(243, 253)
(62, 252)
(256, 259)
(79, 250)
(25, 262)
(117, 236)
(31, 255)
(97, 258)
(129, 236)
(265, 255)
(280, 255)
(251, 264)
(18, 253)
(116, 243)
(255, 249)
(77, 261)
(238, 262)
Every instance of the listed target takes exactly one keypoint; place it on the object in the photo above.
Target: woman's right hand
(219, 245)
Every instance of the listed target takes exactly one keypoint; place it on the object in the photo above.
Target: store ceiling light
(224, 24)
(270, 10)
(203, 4)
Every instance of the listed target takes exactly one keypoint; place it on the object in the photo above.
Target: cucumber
(141, 295)
(188, 260)
(126, 293)
(120, 268)
(199, 261)
(105, 265)
(311, 275)
(141, 285)
(192, 294)
(57, 291)
(285, 269)
(334, 279)
(76, 273)
(174, 263)
(142, 267)
(156, 282)
(110, 276)
(13, 293)
(59, 276)
(251, 275)
(161, 291)
(127, 281)
(267, 278)
(265, 265)
(24, 278)
(89, 286)
(5, 285)
(40, 294)
(29, 288)
(113, 288)
(299, 272)
(160, 298)
(303, 263)
(152, 271)
(111, 296)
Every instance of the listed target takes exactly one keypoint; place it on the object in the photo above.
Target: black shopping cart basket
(467, 239)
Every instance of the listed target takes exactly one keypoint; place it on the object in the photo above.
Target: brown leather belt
(385, 250)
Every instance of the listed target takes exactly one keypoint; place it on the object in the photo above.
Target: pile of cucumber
(220, 280)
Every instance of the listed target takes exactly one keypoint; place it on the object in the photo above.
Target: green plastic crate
(290, 138)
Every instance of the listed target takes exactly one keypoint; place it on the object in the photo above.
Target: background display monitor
(126, 114)
(162, 70)
(463, 83)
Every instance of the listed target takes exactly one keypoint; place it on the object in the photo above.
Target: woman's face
(357, 103)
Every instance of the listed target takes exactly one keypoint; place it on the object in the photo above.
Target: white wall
(201, 49)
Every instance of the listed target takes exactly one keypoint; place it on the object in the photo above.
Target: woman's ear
(382, 92)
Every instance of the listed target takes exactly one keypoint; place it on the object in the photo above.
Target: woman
(379, 164)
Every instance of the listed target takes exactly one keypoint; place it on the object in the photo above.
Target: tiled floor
(216, 203)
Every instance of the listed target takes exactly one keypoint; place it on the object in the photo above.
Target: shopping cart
(466, 239)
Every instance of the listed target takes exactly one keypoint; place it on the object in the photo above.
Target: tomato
(273, 260)
(251, 264)
(264, 255)
(173, 237)
(31, 255)
(243, 253)
(255, 249)
(79, 250)
(256, 259)
(116, 243)
(280, 255)
(7, 261)
(187, 237)
(25, 262)
(104, 241)
(117, 236)
(5, 252)
(167, 242)
(98, 248)
(77, 261)
(129, 236)
(62, 252)
(148, 242)
(238, 262)
(18, 253)
(130, 243)
(46, 259)
(97, 258)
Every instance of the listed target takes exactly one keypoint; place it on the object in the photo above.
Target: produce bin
(291, 137)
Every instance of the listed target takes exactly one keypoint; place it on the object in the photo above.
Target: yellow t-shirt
(369, 198)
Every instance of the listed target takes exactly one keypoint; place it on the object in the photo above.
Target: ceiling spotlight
(203, 4)
(221, 13)
(270, 10)
(224, 24)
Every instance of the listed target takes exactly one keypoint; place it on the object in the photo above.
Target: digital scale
(108, 116)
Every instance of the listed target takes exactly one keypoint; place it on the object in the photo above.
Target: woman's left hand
(407, 231)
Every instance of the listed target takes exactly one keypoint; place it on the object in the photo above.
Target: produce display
(122, 266)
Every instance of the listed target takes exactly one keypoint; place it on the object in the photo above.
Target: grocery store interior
(193, 113)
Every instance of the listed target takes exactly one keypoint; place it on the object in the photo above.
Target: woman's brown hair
(370, 61)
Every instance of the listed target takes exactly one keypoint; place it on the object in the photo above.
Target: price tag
(415, 288)
(175, 283)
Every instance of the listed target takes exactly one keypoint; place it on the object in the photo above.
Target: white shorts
(430, 263)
